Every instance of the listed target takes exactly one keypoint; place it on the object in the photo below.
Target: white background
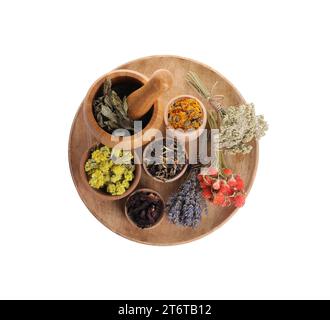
(276, 53)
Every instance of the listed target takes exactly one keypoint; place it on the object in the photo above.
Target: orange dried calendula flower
(185, 113)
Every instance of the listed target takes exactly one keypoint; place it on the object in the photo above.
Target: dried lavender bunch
(237, 127)
(186, 206)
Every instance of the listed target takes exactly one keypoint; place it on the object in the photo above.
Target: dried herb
(110, 170)
(237, 125)
(167, 159)
(144, 208)
(215, 100)
(186, 206)
(110, 111)
(222, 187)
(185, 114)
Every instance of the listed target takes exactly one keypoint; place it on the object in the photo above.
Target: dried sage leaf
(125, 105)
(110, 111)
(100, 120)
(106, 111)
(107, 86)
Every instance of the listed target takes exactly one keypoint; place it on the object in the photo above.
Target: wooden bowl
(178, 176)
(101, 195)
(180, 133)
(134, 80)
(161, 216)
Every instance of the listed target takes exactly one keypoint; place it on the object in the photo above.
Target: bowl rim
(178, 176)
(180, 133)
(162, 213)
(100, 194)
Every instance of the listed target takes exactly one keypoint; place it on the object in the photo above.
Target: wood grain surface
(111, 213)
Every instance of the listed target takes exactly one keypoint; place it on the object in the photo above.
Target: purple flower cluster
(186, 206)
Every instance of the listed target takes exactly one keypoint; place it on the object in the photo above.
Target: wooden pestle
(140, 101)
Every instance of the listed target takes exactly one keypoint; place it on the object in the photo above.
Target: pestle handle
(140, 101)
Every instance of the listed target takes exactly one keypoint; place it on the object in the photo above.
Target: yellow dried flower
(118, 170)
(105, 166)
(97, 180)
(104, 174)
(106, 151)
(107, 178)
(111, 188)
(98, 156)
(115, 178)
(91, 165)
(120, 189)
(129, 175)
(125, 184)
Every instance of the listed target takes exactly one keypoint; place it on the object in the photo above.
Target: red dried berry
(207, 194)
(239, 183)
(227, 171)
(208, 180)
(203, 185)
(219, 199)
(225, 188)
(212, 171)
(228, 202)
(216, 185)
(239, 200)
(232, 182)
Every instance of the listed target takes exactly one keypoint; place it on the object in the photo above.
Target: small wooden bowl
(119, 77)
(144, 190)
(180, 133)
(178, 176)
(101, 195)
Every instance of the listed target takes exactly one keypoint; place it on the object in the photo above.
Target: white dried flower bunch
(239, 126)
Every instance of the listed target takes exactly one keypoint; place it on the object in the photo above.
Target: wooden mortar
(139, 103)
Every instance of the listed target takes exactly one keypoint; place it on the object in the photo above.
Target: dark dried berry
(145, 208)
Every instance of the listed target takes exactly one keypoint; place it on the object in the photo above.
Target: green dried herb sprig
(215, 100)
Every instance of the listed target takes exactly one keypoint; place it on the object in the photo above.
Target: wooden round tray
(111, 213)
